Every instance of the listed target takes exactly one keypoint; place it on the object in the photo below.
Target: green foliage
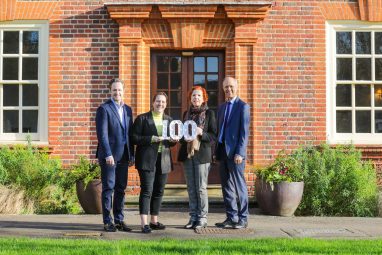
(84, 170)
(285, 168)
(27, 168)
(337, 182)
(36, 246)
(32, 170)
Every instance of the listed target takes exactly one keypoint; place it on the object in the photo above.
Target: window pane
(162, 81)
(362, 95)
(11, 95)
(378, 69)
(175, 113)
(11, 121)
(363, 69)
(343, 122)
(212, 64)
(30, 42)
(212, 99)
(11, 42)
(30, 95)
(176, 64)
(362, 121)
(30, 68)
(10, 68)
(343, 42)
(175, 99)
(378, 42)
(363, 42)
(378, 121)
(199, 80)
(176, 81)
(212, 81)
(378, 95)
(343, 95)
(199, 64)
(30, 121)
(344, 69)
(163, 63)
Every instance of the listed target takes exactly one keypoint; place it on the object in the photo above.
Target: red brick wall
(290, 75)
(83, 56)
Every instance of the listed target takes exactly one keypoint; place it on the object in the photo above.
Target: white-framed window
(354, 82)
(24, 81)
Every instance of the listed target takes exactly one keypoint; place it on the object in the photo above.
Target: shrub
(35, 174)
(337, 182)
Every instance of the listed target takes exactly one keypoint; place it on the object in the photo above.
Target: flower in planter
(284, 168)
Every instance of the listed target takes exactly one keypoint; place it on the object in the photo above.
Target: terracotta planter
(283, 200)
(90, 198)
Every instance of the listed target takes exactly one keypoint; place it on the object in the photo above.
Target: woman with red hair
(196, 156)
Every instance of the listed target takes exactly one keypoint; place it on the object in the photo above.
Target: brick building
(311, 70)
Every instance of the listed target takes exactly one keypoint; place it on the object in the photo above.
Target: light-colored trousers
(197, 178)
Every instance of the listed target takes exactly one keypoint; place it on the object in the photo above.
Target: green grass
(29, 246)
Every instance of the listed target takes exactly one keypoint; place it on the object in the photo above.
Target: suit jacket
(147, 152)
(203, 155)
(237, 129)
(110, 132)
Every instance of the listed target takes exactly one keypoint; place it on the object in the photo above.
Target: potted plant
(279, 187)
(87, 177)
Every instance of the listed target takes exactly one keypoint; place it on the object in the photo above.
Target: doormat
(226, 231)
(83, 234)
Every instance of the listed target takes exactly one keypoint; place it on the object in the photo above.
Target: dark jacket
(237, 129)
(110, 132)
(147, 152)
(207, 140)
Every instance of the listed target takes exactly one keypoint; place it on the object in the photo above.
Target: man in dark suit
(233, 131)
(115, 153)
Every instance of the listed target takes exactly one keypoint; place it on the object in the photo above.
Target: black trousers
(152, 189)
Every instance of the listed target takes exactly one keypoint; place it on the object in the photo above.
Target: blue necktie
(225, 121)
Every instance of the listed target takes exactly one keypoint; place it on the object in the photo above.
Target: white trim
(331, 80)
(41, 137)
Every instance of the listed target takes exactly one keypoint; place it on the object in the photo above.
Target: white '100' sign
(183, 130)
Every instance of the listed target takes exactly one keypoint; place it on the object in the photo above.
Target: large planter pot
(90, 198)
(282, 200)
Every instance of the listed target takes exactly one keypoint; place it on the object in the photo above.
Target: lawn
(29, 246)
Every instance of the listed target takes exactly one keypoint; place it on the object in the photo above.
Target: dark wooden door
(175, 73)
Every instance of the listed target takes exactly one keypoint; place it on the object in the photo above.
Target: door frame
(188, 75)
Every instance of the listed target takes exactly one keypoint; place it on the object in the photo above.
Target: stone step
(177, 193)
(213, 190)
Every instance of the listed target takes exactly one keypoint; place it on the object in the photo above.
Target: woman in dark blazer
(153, 161)
(196, 156)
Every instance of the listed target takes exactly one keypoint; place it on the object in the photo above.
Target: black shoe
(241, 224)
(157, 226)
(191, 224)
(146, 229)
(200, 225)
(109, 227)
(228, 223)
(121, 226)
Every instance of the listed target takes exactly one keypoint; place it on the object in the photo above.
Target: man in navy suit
(115, 153)
(233, 131)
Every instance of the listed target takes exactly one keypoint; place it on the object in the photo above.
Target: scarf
(197, 114)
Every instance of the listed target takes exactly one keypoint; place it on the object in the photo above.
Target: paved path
(260, 226)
